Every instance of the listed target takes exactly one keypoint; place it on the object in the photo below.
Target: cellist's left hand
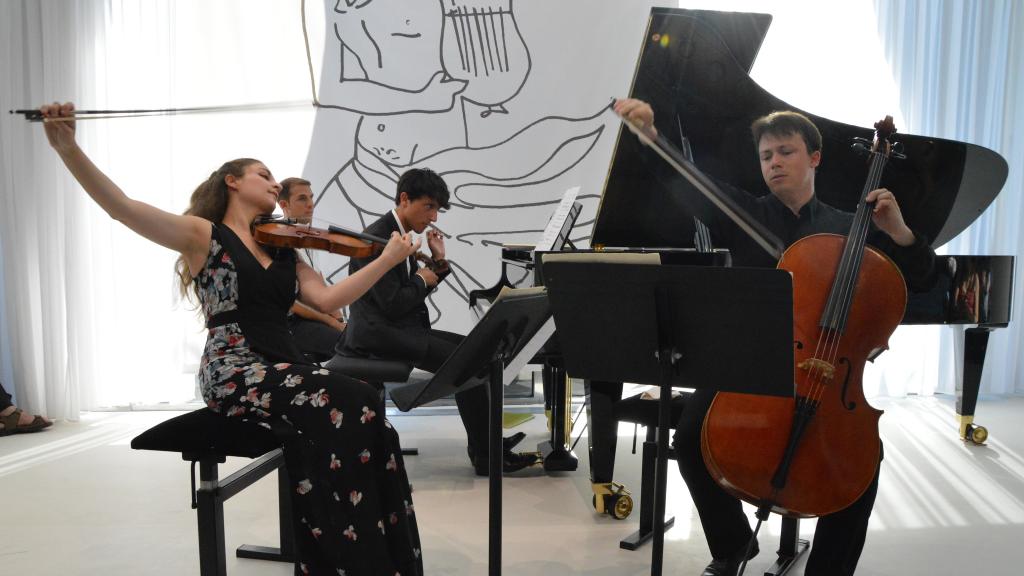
(888, 218)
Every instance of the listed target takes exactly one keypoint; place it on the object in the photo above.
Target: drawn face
(343, 5)
(416, 214)
(388, 36)
(299, 205)
(256, 187)
(787, 167)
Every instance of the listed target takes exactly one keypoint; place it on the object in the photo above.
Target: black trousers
(315, 339)
(5, 398)
(472, 403)
(838, 538)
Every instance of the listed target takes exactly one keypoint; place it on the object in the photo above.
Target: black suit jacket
(391, 319)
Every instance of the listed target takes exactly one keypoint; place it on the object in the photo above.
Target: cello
(815, 453)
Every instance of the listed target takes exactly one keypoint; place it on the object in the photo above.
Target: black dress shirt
(916, 261)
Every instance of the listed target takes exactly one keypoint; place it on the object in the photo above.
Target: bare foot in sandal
(14, 421)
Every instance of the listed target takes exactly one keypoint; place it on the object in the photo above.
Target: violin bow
(33, 115)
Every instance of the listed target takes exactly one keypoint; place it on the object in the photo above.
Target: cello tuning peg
(861, 147)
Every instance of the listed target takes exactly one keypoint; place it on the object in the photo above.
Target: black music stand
(500, 336)
(674, 326)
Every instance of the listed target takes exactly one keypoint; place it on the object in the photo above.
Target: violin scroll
(440, 267)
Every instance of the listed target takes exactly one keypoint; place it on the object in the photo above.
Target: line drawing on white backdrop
(423, 77)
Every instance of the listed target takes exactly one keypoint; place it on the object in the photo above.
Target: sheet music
(512, 293)
(550, 236)
(652, 258)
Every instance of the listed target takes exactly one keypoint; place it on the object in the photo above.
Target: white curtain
(92, 311)
(36, 202)
(958, 65)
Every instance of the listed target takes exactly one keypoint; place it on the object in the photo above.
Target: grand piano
(694, 70)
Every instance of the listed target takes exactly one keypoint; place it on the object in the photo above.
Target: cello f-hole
(849, 405)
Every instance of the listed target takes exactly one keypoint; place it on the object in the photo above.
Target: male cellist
(789, 149)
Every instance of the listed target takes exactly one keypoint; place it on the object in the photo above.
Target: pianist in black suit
(789, 148)
(391, 320)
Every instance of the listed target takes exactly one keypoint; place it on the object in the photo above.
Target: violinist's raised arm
(252, 371)
(187, 235)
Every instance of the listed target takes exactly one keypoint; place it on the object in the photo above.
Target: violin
(439, 267)
(286, 233)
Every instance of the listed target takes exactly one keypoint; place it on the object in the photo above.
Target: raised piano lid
(698, 83)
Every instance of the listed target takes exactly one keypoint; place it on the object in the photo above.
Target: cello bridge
(826, 370)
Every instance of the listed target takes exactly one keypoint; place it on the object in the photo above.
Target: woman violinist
(351, 494)
(789, 149)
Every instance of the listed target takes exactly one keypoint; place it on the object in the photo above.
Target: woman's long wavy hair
(209, 201)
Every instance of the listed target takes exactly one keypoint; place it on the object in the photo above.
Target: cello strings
(846, 277)
(858, 239)
(846, 282)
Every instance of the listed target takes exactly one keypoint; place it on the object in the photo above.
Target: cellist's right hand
(60, 134)
(636, 112)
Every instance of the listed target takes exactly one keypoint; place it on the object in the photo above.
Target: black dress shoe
(727, 567)
(509, 442)
(511, 462)
(721, 568)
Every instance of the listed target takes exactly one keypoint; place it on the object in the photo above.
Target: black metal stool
(373, 371)
(206, 438)
(644, 411)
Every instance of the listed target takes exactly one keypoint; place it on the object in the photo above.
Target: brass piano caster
(613, 499)
(971, 432)
(975, 434)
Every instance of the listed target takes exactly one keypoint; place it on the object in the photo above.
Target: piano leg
(648, 461)
(975, 346)
(609, 497)
(555, 452)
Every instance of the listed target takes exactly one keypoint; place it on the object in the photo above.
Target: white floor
(78, 500)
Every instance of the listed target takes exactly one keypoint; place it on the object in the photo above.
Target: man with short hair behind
(315, 333)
